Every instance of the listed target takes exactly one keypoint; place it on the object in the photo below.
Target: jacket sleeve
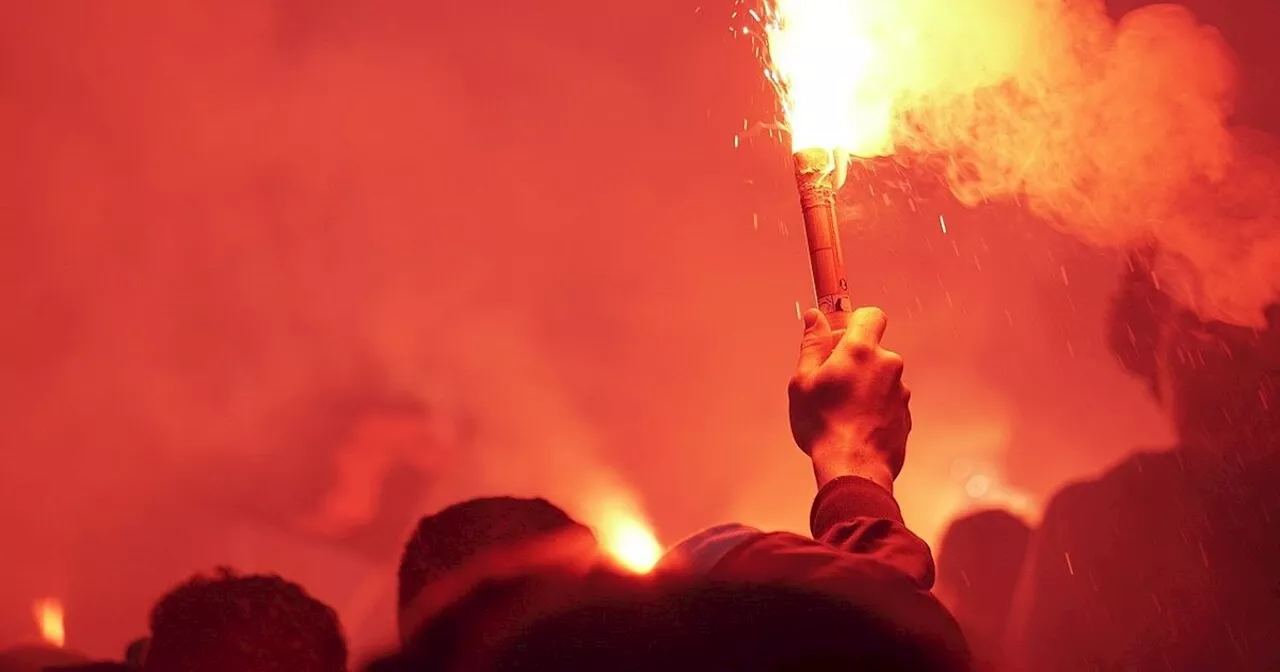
(858, 517)
(862, 553)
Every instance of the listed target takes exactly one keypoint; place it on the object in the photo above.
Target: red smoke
(1120, 132)
(218, 216)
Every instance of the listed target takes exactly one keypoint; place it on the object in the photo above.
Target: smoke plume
(1120, 132)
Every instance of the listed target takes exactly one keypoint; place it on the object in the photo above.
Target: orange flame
(622, 531)
(49, 617)
(631, 543)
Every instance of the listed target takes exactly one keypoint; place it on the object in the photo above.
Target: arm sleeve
(857, 516)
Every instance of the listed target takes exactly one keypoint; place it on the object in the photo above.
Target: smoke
(221, 216)
(1119, 132)
(218, 217)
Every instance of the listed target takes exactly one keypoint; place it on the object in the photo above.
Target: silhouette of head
(979, 561)
(253, 623)
(1212, 377)
(616, 622)
(36, 658)
(710, 626)
(479, 535)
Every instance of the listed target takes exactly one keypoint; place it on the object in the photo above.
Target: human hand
(849, 409)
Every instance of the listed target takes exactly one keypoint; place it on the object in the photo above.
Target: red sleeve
(859, 517)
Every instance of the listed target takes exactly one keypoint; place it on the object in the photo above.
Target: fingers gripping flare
(849, 410)
(817, 343)
(866, 327)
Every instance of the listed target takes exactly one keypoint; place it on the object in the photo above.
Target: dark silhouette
(231, 623)
(1168, 561)
(979, 562)
(134, 655)
(36, 658)
(612, 622)
(456, 549)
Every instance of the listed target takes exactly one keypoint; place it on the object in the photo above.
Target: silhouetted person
(136, 653)
(36, 658)
(456, 550)
(100, 666)
(979, 562)
(1169, 561)
(253, 623)
(615, 623)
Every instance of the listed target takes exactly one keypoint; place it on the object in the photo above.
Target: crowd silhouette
(1166, 562)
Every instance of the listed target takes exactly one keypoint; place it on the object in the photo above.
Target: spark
(942, 221)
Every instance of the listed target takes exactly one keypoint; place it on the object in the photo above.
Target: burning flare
(825, 59)
(1119, 132)
(631, 543)
(48, 614)
(624, 535)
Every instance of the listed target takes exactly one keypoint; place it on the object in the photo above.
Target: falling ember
(48, 614)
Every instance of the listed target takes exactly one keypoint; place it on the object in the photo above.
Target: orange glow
(627, 538)
(632, 544)
(48, 614)
(826, 61)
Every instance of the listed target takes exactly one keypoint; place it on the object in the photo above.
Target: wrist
(834, 461)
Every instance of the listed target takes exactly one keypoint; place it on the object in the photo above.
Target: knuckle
(869, 313)
(798, 385)
(861, 352)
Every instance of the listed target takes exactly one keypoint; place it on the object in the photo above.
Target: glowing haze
(1119, 132)
(49, 618)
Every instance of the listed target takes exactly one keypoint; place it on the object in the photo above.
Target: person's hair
(448, 540)
(249, 623)
(1141, 313)
(625, 623)
(37, 657)
(987, 544)
(979, 562)
(1136, 318)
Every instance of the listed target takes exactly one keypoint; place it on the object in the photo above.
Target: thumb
(816, 344)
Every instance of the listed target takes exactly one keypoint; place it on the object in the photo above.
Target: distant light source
(631, 544)
(978, 486)
(49, 618)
